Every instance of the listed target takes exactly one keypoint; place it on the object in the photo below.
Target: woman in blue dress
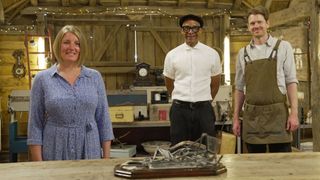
(69, 115)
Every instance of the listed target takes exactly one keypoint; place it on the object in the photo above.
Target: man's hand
(292, 123)
(236, 127)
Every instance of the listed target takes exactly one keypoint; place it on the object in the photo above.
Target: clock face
(143, 72)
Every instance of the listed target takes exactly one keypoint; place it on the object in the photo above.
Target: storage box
(125, 151)
(121, 113)
(121, 98)
(159, 112)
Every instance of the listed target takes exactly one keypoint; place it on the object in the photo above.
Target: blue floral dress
(69, 121)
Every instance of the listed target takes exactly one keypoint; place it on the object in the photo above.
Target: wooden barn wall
(9, 43)
(154, 36)
(120, 50)
(298, 37)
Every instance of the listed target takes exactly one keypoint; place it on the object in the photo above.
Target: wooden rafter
(17, 11)
(108, 41)
(15, 5)
(124, 3)
(34, 2)
(296, 2)
(92, 2)
(1, 13)
(290, 14)
(210, 4)
(267, 4)
(151, 2)
(181, 3)
(237, 4)
(247, 4)
(65, 2)
(167, 10)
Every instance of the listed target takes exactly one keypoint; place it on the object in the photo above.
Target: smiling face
(191, 30)
(258, 26)
(70, 48)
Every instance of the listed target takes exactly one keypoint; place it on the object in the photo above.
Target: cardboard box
(159, 112)
(121, 113)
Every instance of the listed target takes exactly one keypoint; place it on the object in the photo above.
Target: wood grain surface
(280, 166)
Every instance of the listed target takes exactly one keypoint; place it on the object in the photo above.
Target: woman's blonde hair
(82, 40)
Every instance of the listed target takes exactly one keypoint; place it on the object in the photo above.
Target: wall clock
(18, 69)
(142, 75)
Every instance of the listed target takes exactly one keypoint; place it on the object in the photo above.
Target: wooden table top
(279, 166)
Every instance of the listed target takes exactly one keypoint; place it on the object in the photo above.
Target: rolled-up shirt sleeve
(289, 66)
(239, 79)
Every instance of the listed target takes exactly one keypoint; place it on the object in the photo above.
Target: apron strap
(246, 56)
(274, 51)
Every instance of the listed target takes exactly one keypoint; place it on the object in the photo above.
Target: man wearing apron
(265, 76)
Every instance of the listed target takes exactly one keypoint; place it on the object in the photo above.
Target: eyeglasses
(194, 29)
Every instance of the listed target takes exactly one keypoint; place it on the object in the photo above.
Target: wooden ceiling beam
(34, 2)
(15, 5)
(65, 2)
(267, 4)
(247, 4)
(296, 2)
(210, 4)
(17, 11)
(102, 11)
(181, 3)
(290, 14)
(92, 3)
(124, 3)
(237, 4)
(151, 2)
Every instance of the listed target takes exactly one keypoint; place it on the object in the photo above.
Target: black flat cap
(191, 17)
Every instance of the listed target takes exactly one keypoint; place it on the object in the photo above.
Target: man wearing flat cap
(192, 76)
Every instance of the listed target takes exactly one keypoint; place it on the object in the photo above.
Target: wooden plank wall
(149, 50)
(9, 43)
(120, 51)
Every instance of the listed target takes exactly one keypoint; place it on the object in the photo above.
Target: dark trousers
(190, 120)
(262, 148)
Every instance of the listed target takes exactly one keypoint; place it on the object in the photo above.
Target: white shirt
(191, 68)
(286, 69)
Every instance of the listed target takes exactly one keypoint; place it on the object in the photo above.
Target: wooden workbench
(282, 166)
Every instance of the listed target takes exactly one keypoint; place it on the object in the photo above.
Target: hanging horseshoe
(18, 69)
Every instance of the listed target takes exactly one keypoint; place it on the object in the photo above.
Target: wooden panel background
(117, 63)
(298, 37)
(9, 43)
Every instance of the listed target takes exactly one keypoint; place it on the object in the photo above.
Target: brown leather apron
(265, 111)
